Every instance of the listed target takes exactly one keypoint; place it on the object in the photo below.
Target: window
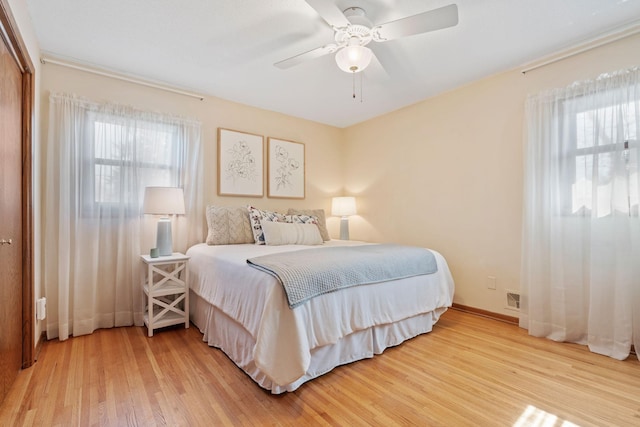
(602, 160)
(122, 159)
(99, 159)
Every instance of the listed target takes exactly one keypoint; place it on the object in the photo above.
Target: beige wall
(323, 144)
(447, 173)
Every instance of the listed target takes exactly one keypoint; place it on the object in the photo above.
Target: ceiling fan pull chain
(354, 84)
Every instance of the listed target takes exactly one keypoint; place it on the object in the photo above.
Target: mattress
(244, 312)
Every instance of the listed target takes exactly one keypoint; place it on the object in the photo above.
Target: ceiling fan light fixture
(353, 58)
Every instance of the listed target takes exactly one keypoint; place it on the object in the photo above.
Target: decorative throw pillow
(281, 233)
(228, 226)
(318, 213)
(301, 219)
(256, 216)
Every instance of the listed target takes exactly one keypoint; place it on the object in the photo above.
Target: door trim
(10, 34)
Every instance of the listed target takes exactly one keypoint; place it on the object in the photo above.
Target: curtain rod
(587, 45)
(75, 66)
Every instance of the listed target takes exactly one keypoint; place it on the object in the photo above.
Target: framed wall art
(240, 164)
(286, 169)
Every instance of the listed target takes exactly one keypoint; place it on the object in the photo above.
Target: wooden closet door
(10, 219)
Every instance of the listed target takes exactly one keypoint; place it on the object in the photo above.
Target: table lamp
(164, 201)
(343, 207)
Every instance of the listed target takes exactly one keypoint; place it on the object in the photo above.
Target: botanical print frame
(286, 169)
(240, 163)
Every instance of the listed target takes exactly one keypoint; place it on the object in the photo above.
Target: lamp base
(344, 228)
(164, 241)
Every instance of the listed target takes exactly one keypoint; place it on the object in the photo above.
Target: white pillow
(320, 218)
(282, 233)
(256, 217)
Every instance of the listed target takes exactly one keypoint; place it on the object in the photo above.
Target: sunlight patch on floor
(534, 417)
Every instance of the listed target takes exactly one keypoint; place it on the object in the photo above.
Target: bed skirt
(222, 332)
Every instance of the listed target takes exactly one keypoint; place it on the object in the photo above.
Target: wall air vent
(513, 300)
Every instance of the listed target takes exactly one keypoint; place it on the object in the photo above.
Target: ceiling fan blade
(432, 20)
(329, 12)
(375, 71)
(306, 56)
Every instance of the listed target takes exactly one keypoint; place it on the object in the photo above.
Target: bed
(244, 312)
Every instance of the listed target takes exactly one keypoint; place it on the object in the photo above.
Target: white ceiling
(227, 48)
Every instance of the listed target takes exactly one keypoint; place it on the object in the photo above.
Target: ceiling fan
(354, 31)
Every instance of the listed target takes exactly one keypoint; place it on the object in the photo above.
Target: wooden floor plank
(469, 371)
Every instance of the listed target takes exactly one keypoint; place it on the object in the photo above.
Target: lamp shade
(163, 201)
(353, 58)
(343, 206)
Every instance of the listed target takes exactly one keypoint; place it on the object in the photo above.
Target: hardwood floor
(469, 371)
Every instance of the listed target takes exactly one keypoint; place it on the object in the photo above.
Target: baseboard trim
(484, 313)
(500, 317)
(43, 338)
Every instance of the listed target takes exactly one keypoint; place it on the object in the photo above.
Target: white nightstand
(166, 291)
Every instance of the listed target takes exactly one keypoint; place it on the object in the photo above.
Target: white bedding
(284, 338)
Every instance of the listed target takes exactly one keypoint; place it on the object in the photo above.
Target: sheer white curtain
(99, 160)
(581, 229)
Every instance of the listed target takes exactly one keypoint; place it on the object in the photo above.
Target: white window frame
(90, 204)
(571, 156)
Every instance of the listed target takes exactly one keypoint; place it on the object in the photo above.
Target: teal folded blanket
(308, 273)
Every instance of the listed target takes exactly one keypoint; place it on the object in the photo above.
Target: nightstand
(166, 290)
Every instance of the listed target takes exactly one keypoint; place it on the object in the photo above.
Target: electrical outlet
(491, 282)
(41, 308)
